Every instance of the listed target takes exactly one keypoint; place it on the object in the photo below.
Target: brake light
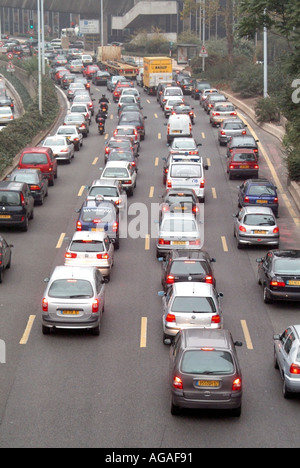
(244, 132)
(275, 200)
(177, 383)
(169, 183)
(78, 226)
(216, 319)
(64, 150)
(163, 242)
(246, 199)
(275, 284)
(294, 369)
(195, 242)
(34, 187)
(242, 229)
(170, 279)
(209, 279)
(256, 166)
(170, 318)
(22, 199)
(237, 384)
(70, 255)
(222, 132)
(95, 306)
(276, 230)
(202, 183)
(45, 305)
(104, 256)
(231, 166)
(195, 209)
(115, 227)
(215, 113)
(232, 113)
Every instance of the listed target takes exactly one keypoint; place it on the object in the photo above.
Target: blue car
(99, 215)
(259, 192)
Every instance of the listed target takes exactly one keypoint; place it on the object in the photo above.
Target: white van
(187, 174)
(56, 43)
(179, 125)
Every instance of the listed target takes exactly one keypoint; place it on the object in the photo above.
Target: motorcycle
(104, 109)
(101, 125)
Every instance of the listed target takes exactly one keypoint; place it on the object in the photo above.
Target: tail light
(95, 306)
(169, 183)
(115, 227)
(170, 279)
(70, 255)
(209, 279)
(232, 113)
(275, 200)
(255, 150)
(231, 166)
(163, 242)
(222, 132)
(216, 319)
(276, 230)
(242, 229)
(277, 284)
(22, 199)
(237, 384)
(78, 226)
(202, 183)
(246, 200)
(256, 166)
(244, 132)
(64, 150)
(195, 242)
(170, 318)
(118, 201)
(45, 305)
(126, 182)
(195, 209)
(177, 383)
(104, 256)
(34, 187)
(295, 369)
(215, 113)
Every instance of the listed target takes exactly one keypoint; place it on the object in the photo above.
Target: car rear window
(105, 191)
(176, 199)
(197, 304)
(9, 198)
(184, 144)
(287, 266)
(119, 144)
(115, 172)
(179, 225)
(71, 289)
(89, 245)
(207, 362)
(101, 215)
(242, 157)
(232, 126)
(224, 108)
(27, 178)
(34, 158)
(182, 170)
(259, 220)
(186, 267)
(54, 142)
(261, 190)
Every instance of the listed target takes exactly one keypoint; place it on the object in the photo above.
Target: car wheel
(175, 410)
(230, 175)
(31, 215)
(96, 330)
(25, 225)
(239, 245)
(1, 275)
(286, 393)
(237, 412)
(117, 243)
(46, 330)
(267, 300)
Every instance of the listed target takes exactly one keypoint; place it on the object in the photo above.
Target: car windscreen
(259, 220)
(178, 225)
(183, 170)
(194, 304)
(188, 267)
(207, 362)
(99, 215)
(89, 245)
(71, 289)
(115, 172)
(287, 266)
(243, 157)
(9, 198)
(34, 158)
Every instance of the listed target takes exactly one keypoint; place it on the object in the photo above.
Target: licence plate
(207, 383)
(69, 312)
(181, 208)
(179, 243)
(176, 131)
(261, 201)
(5, 216)
(244, 167)
(259, 232)
(293, 283)
(98, 229)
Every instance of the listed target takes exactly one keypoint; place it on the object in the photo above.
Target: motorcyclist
(99, 116)
(103, 100)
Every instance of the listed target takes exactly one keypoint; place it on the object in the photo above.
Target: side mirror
(160, 259)
(206, 167)
(259, 260)
(276, 337)
(238, 343)
(167, 341)
(46, 280)
(213, 260)
(161, 293)
(220, 294)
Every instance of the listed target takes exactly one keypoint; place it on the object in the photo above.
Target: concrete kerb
(41, 135)
(276, 130)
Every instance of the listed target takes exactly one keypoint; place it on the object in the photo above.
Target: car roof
(287, 253)
(192, 288)
(185, 216)
(117, 164)
(11, 185)
(100, 182)
(35, 149)
(257, 209)
(64, 271)
(189, 254)
(89, 235)
(259, 182)
(201, 337)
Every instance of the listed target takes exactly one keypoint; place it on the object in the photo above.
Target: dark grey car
(205, 371)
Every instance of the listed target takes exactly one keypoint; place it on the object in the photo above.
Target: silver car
(109, 189)
(287, 359)
(121, 171)
(188, 305)
(222, 111)
(79, 121)
(256, 225)
(230, 128)
(178, 231)
(62, 147)
(72, 133)
(73, 299)
(205, 371)
(187, 146)
(88, 248)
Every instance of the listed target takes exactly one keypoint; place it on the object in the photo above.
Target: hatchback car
(184, 266)
(197, 87)
(179, 201)
(75, 66)
(109, 189)
(184, 109)
(130, 131)
(178, 231)
(73, 299)
(125, 100)
(72, 133)
(204, 371)
(38, 157)
(79, 121)
(221, 112)
(188, 305)
(72, 89)
(242, 163)
(111, 82)
(188, 175)
(84, 98)
(6, 114)
(279, 275)
(123, 172)
(83, 109)
(62, 147)
(100, 78)
(88, 248)
(37, 184)
(229, 128)
(5, 256)
(123, 155)
(205, 93)
(170, 91)
(186, 146)
(256, 226)
(259, 192)
(16, 204)
(186, 85)
(120, 142)
(170, 104)
(243, 141)
(287, 359)
(212, 99)
(66, 80)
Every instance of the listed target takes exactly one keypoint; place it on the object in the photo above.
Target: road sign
(203, 52)
(10, 67)
(10, 55)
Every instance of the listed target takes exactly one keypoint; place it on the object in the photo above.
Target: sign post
(203, 53)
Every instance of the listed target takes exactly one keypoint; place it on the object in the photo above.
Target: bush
(266, 110)
(249, 81)
(293, 164)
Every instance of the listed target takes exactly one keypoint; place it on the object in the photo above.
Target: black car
(186, 85)
(5, 256)
(16, 204)
(197, 87)
(258, 192)
(38, 184)
(161, 86)
(183, 266)
(100, 78)
(182, 200)
(242, 141)
(187, 110)
(134, 118)
(7, 101)
(279, 275)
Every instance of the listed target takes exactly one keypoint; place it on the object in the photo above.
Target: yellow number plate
(98, 229)
(261, 201)
(259, 232)
(4, 216)
(70, 312)
(293, 283)
(178, 243)
(208, 383)
(244, 166)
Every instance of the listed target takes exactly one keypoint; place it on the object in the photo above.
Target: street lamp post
(39, 58)
(265, 58)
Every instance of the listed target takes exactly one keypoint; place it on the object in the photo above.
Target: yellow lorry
(156, 70)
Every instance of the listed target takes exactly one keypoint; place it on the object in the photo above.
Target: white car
(62, 147)
(83, 109)
(170, 103)
(6, 115)
(72, 133)
(131, 92)
(187, 174)
(122, 171)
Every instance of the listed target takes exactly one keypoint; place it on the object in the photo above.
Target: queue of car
(204, 367)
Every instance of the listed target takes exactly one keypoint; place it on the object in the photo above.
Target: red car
(118, 90)
(59, 74)
(38, 157)
(242, 163)
(89, 71)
